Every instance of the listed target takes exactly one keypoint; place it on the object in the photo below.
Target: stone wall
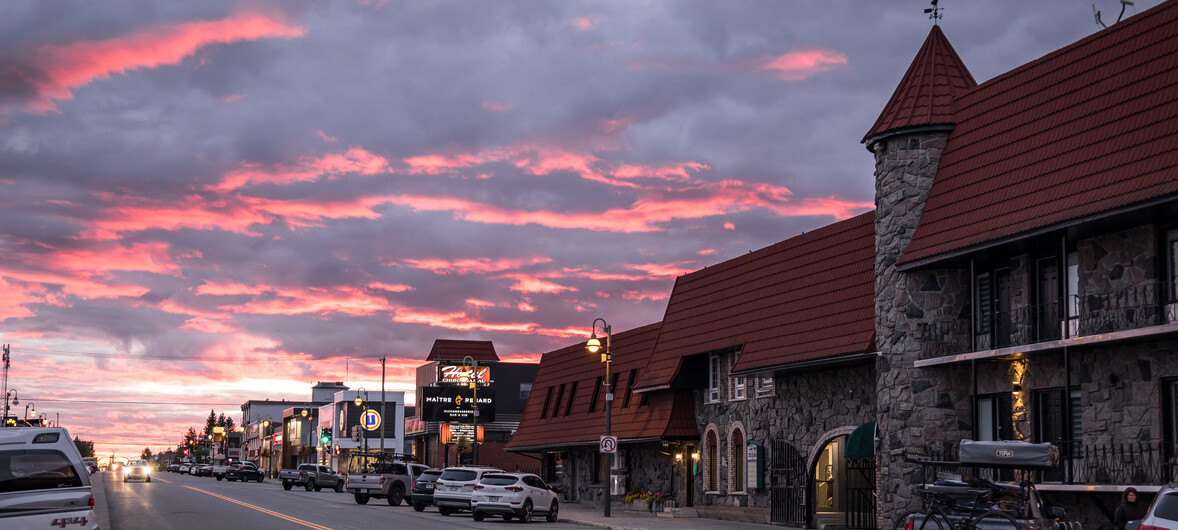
(1119, 271)
(801, 409)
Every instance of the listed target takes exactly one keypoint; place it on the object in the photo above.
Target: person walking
(1128, 510)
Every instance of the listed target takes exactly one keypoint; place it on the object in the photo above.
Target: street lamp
(470, 372)
(364, 403)
(594, 345)
(44, 419)
(15, 402)
(269, 453)
(34, 405)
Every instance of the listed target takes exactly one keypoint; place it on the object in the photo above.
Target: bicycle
(952, 507)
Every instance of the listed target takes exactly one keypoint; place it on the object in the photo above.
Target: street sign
(609, 444)
(452, 404)
(370, 420)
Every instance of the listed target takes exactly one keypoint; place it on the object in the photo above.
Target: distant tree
(84, 447)
(191, 439)
(221, 420)
(146, 454)
(229, 426)
(210, 422)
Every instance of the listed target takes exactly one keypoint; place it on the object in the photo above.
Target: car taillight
(1150, 527)
(382, 479)
(478, 486)
(513, 488)
(91, 502)
(439, 483)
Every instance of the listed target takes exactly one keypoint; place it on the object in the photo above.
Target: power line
(191, 357)
(104, 402)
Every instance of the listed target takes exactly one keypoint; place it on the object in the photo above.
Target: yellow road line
(263, 510)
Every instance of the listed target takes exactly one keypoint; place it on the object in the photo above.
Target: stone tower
(907, 140)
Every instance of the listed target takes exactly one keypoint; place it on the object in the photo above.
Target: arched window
(736, 460)
(713, 464)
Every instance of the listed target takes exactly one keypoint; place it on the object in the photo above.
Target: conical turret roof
(927, 93)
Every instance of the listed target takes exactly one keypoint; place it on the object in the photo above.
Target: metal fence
(1112, 463)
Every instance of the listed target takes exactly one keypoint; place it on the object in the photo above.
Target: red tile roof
(927, 92)
(665, 415)
(1086, 129)
(806, 298)
(456, 350)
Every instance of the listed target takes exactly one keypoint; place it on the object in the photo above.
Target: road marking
(162, 480)
(308, 524)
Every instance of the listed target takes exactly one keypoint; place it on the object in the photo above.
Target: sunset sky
(204, 203)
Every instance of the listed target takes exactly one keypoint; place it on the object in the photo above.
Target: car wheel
(479, 516)
(525, 513)
(506, 517)
(219, 478)
(310, 485)
(552, 511)
(444, 511)
(149, 479)
(318, 487)
(260, 479)
(361, 498)
(339, 487)
(418, 507)
(287, 485)
(396, 495)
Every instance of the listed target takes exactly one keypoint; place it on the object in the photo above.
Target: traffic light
(325, 436)
(185, 452)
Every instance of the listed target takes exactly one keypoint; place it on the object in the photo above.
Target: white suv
(43, 480)
(453, 489)
(513, 495)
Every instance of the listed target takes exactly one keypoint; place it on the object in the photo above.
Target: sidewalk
(589, 515)
(98, 490)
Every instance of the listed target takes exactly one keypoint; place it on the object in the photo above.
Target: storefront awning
(861, 442)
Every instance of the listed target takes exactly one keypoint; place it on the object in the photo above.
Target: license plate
(492, 499)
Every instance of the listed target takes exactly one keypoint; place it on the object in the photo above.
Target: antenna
(934, 13)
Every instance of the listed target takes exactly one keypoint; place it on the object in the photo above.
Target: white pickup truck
(381, 475)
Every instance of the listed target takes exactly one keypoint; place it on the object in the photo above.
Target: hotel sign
(451, 374)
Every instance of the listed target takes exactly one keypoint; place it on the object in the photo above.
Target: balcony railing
(1113, 463)
(1130, 308)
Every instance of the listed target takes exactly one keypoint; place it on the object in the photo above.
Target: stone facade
(805, 409)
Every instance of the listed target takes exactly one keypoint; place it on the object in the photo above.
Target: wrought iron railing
(1121, 463)
(1130, 308)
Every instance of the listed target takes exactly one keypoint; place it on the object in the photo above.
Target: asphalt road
(182, 502)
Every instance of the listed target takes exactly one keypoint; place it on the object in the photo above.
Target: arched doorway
(830, 475)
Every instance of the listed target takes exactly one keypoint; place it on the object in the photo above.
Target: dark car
(204, 470)
(423, 489)
(174, 467)
(245, 472)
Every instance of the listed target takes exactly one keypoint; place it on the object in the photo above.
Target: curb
(101, 509)
(593, 523)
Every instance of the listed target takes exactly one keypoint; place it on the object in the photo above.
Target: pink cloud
(141, 257)
(707, 252)
(667, 270)
(475, 302)
(645, 295)
(231, 98)
(80, 286)
(586, 23)
(312, 300)
(214, 288)
(355, 160)
(73, 65)
(495, 106)
(390, 287)
(322, 135)
(801, 64)
(472, 265)
(525, 307)
(525, 283)
(15, 296)
(729, 226)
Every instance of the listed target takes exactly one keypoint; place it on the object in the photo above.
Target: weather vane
(934, 13)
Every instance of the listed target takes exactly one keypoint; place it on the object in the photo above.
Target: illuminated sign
(453, 404)
(454, 432)
(452, 374)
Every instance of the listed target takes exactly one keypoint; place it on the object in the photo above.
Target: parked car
(1162, 512)
(137, 470)
(203, 470)
(184, 467)
(453, 489)
(381, 475)
(423, 489)
(44, 483)
(245, 472)
(218, 472)
(311, 477)
(173, 467)
(513, 495)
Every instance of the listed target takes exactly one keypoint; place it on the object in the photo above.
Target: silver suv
(453, 489)
(43, 480)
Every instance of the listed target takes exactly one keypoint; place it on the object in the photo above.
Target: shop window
(736, 460)
(737, 389)
(713, 378)
(764, 386)
(995, 419)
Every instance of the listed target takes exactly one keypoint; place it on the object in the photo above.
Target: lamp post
(26, 418)
(270, 439)
(594, 345)
(470, 371)
(363, 402)
(44, 419)
(15, 398)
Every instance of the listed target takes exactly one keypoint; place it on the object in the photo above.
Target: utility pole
(383, 419)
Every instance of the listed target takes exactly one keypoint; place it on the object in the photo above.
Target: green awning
(861, 442)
